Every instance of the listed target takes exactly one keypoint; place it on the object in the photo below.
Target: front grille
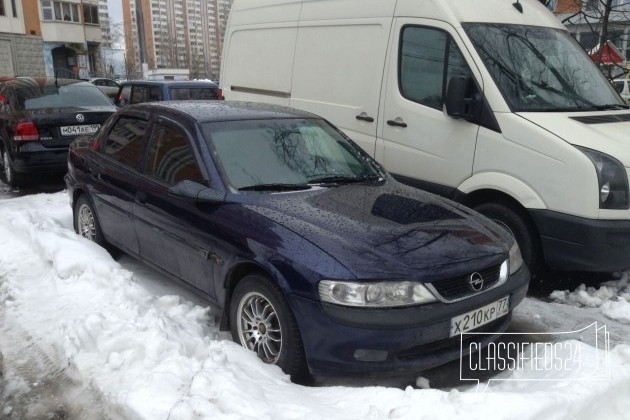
(459, 287)
(602, 119)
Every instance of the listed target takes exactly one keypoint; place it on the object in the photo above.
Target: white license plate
(79, 130)
(481, 316)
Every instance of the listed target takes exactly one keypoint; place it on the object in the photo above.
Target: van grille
(602, 119)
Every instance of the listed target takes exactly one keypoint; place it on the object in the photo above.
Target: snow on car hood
(607, 132)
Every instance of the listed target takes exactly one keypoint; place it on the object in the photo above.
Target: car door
(114, 177)
(174, 233)
(418, 143)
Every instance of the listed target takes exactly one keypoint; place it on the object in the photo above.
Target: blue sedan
(321, 261)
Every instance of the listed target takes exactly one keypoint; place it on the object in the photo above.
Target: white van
(489, 102)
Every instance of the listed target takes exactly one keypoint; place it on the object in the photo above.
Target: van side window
(139, 94)
(171, 158)
(428, 59)
(155, 94)
(124, 142)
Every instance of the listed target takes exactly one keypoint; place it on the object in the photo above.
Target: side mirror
(197, 192)
(459, 100)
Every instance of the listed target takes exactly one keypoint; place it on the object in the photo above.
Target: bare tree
(595, 22)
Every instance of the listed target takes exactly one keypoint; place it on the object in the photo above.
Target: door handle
(364, 117)
(398, 122)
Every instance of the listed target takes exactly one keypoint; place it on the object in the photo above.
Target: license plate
(481, 316)
(79, 130)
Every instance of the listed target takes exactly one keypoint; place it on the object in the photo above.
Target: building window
(58, 10)
(2, 13)
(90, 13)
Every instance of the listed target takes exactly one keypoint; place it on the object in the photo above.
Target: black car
(320, 260)
(140, 91)
(40, 117)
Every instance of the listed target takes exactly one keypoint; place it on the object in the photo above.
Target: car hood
(387, 230)
(606, 132)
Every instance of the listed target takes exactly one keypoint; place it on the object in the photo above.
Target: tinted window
(138, 94)
(124, 142)
(171, 158)
(284, 152)
(184, 94)
(424, 53)
(36, 96)
(155, 94)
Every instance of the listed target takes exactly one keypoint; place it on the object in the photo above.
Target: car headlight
(613, 180)
(515, 260)
(374, 294)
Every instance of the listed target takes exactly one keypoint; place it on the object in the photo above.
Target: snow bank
(79, 327)
(613, 298)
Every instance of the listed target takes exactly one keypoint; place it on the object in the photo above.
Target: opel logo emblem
(80, 118)
(475, 282)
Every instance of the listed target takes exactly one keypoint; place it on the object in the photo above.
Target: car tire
(12, 178)
(262, 321)
(86, 223)
(518, 225)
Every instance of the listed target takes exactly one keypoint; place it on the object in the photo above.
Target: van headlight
(374, 294)
(515, 260)
(613, 180)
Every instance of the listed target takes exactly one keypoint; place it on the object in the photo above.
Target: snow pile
(85, 337)
(613, 298)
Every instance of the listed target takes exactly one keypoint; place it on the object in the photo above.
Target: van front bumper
(342, 340)
(579, 244)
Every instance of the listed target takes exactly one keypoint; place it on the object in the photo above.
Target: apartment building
(175, 34)
(20, 51)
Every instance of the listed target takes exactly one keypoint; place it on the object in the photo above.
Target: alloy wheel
(86, 223)
(259, 328)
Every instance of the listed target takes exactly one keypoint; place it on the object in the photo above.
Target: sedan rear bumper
(34, 158)
(400, 339)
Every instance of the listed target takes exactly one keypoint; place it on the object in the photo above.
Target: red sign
(609, 54)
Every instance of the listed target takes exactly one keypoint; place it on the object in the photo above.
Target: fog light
(364, 355)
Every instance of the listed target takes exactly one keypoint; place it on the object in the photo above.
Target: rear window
(192, 93)
(51, 96)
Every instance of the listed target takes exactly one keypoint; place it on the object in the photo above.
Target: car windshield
(37, 96)
(541, 69)
(291, 152)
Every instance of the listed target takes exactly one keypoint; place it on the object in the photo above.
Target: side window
(171, 158)
(155, 94)
(138, 94)
(429, 58)
(125, 95)
(124, 142)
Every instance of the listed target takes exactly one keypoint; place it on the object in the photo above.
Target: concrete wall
(21, 55)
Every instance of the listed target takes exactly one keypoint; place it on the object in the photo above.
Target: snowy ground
(85, 337)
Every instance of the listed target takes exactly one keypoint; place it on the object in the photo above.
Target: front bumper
(579, 244)
(342, 340)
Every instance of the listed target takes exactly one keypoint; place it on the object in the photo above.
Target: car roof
(215, 111)
(45, 81)
(170, 82)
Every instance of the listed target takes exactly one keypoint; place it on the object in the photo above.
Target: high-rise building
(175, 34)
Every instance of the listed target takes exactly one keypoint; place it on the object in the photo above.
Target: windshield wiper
(340, 179)
(610, 106)
(276, 187)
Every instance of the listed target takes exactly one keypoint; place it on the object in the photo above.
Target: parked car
(319, 259)
(139, 91)
(108, 86)
(623, 87)
(40, 117)
(488, 102)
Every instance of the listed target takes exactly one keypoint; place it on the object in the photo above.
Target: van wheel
(517, 224)
(12, 178)
(262, 321)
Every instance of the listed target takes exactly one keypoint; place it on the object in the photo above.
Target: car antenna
(518, 6)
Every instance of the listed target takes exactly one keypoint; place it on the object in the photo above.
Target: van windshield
(541, 69)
